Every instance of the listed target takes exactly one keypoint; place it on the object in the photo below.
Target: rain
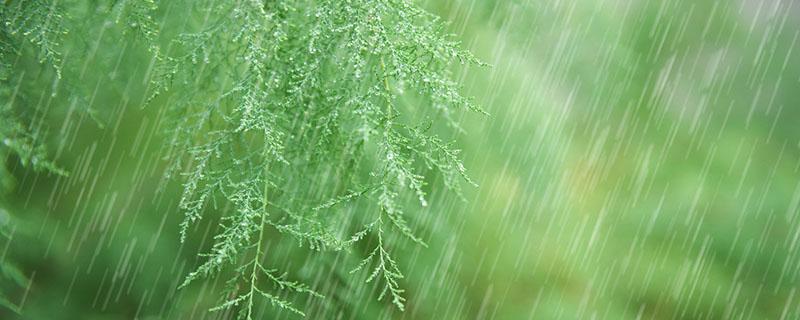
(393, 159)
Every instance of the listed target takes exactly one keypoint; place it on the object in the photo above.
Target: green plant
(39, 24)
(296, 118)
(310, 119)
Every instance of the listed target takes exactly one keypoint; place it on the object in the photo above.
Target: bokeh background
(641, 160)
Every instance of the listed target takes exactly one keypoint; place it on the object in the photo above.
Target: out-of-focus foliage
(640, 161)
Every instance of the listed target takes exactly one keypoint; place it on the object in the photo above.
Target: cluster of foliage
(294, 117)
(296, 120)
(40, 24)
(22, 24)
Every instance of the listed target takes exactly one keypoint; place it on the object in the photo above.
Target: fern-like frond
(324, 94)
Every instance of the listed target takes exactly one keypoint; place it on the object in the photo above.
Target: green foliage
(41, 24)
(316, 104)
(302, 100)
(665, 157)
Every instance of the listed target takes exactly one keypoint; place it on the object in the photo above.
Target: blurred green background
(641, 160)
